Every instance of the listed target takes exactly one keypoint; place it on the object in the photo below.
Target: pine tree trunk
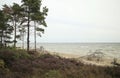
(1, 39)
(23, 41)
(1, 43)
(15, 34)
(35, 35)
(28, 36)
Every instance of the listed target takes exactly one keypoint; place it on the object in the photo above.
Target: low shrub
(2, 63)
(20, 64)
(53, 74)
(8, 54)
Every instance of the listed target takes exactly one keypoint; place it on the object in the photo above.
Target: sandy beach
(106, 61)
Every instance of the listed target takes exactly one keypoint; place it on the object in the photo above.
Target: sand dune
(104, 61)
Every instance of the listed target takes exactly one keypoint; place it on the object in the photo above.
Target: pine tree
(32, 9)
(39, 18)
(16, 15)
(5, 29)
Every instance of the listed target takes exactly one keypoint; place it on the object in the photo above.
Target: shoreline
(103, 62)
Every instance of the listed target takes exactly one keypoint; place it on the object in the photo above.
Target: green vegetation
(18, 18)
(16, 63)
(5, 29)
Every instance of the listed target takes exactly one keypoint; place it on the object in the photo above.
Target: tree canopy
(16, 19)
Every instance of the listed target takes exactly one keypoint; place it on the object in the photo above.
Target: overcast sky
(80, 20)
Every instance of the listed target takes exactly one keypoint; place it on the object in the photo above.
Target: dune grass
(16, 63)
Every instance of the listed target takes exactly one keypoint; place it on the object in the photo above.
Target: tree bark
(28, 36)
(23, 41)
(35, 34)
(1, 43)
(15, 32)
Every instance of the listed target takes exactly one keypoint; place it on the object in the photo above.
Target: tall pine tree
(33, 13)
